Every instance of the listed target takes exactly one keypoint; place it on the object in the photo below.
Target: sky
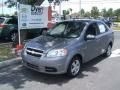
(75, 5)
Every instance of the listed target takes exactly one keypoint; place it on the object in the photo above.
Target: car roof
(4, 17)
(10, 17)
(82, 20)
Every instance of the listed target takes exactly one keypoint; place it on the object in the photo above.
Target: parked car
(66, 46)
(9, 29)
(108, 22)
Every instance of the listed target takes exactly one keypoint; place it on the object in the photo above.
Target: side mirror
(90, 37)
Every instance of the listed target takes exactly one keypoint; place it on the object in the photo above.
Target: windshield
(66, 29)
(1, 20)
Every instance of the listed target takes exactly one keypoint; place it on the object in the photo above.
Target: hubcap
(75, 67)
(13, 36)
(109, 50)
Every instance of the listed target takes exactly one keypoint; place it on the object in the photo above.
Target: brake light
(2, 25)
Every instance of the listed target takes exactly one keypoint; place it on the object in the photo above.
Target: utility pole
(2, 7)
(80, 7)
(60, 10)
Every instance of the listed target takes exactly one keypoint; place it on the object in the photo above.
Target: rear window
(1, 20)
(12, 21)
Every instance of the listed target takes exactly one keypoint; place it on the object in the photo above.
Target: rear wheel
(108, 51)
(13, 36)
(74, 67)
(43, 31)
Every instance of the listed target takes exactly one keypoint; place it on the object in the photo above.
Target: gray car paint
(87, 49)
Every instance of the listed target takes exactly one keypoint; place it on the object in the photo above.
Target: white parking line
(115, 53)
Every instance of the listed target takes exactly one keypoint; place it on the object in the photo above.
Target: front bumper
(56, 65)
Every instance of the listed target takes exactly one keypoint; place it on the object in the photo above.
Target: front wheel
(74, 67)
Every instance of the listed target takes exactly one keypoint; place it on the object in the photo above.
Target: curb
(11, 61)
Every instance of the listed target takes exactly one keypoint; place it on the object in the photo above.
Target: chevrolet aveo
(66, 46)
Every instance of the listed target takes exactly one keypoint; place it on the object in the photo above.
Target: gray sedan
(66, 46)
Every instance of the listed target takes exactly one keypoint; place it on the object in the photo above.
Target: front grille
(34, 52)
(32, 66)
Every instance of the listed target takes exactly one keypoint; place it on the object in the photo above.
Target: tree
(70, 10)
(57, 2)
(87, 14)
(2, 15)
(15, 13)
(110, 12)
(65, 12)
(117, 13)
(82, 12)
(12, 3)
(95, 12)
(104, 12)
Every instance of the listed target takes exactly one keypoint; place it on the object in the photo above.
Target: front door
(91, 47)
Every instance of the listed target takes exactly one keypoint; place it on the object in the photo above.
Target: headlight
(57, 52)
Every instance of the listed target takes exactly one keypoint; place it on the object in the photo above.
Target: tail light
(2, 25)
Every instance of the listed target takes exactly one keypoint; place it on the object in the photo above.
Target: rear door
(103, 37)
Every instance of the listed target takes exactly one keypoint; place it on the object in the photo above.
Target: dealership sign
(32, 16)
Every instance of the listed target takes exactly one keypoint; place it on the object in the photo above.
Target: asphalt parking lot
(98, 74)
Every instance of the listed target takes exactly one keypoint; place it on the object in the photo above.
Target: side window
(102, 27)
(92, 29)
(12, 21)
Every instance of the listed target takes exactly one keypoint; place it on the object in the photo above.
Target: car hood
(49, 42)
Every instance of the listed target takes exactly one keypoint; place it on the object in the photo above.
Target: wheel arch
(111, 44)
(12, 31)
(80, 56)
(68, 72)
(70, 59)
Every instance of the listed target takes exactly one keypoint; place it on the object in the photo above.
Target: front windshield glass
(66, 29)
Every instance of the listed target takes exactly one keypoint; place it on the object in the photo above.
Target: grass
(116, 28)
(6, 53)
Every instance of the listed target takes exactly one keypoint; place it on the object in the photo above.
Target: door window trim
(97, 31)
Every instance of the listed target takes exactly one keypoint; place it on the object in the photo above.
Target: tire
(74, 67)
(13, 36)
(108, 51)
(43, 31)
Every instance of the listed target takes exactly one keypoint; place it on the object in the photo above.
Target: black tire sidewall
(69, 73)
(11, 36)
(106, 54)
